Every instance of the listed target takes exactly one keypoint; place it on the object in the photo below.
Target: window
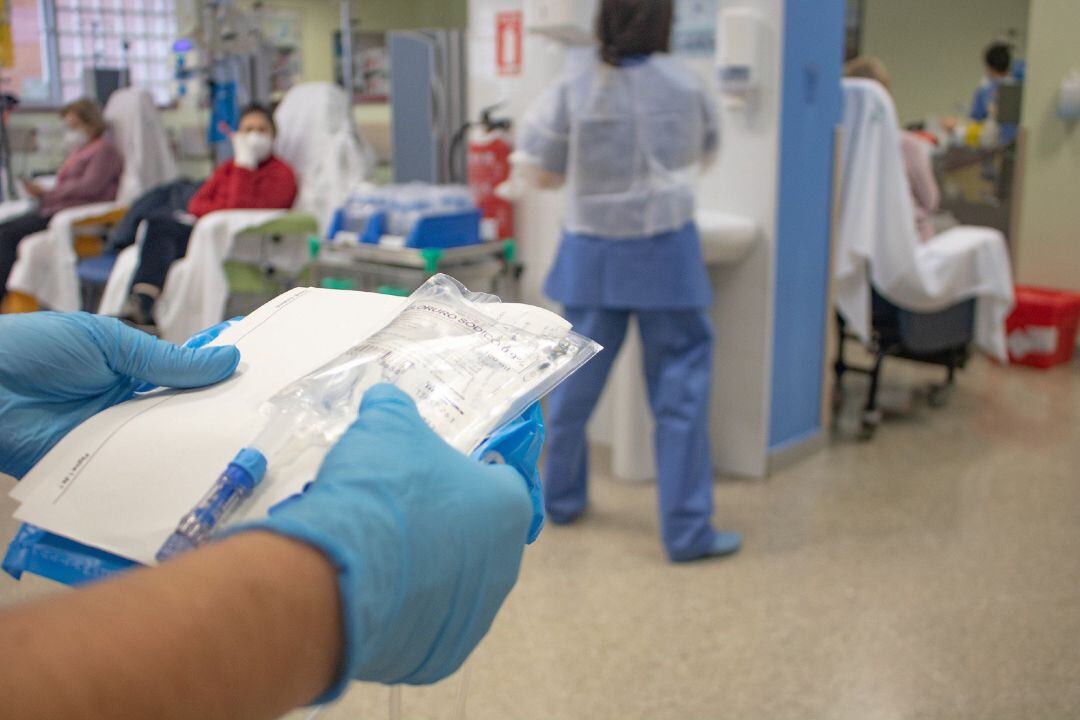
(73, 36)
(25, 78)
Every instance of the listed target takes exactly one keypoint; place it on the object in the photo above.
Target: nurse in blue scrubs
(999, 71)
(628, 133)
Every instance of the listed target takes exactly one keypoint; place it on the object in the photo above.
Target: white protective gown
(630, 141)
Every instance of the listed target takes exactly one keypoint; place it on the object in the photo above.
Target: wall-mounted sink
(725, 237)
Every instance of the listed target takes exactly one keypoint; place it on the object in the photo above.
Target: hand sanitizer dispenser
(737, 65)
(1069, 97)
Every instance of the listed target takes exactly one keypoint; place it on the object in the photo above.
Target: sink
(725, 237)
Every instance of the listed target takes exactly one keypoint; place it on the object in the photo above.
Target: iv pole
(347, 49)
(8, 191)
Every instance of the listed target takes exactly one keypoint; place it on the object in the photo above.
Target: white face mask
(74, 139)
(261, 145)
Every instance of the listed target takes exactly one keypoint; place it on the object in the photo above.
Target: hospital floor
(933, 572)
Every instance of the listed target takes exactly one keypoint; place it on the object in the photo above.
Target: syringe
(231, 489)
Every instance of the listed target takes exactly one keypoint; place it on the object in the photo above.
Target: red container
(1042, 328)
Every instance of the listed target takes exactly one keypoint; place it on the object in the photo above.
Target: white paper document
(122, 480)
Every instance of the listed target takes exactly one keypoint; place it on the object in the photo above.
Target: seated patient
(89, 174)
(915, 151)
(253, 179)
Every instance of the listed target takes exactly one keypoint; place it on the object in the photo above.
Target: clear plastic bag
(470, 362)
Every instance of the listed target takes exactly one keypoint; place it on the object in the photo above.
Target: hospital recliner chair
(45, 273)
(317, 137)
(897, 296)
(942, 338)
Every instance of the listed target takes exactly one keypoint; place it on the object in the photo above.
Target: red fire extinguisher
(489, 149)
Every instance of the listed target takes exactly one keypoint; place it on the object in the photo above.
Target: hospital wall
(319, 19)
(396, 14)
(750, 312)
(934, 48)
(744, 181)
(770, 309)
(49, 127)
(1048, 249)
(322, 18)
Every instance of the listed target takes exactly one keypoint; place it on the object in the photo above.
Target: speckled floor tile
(931, 573)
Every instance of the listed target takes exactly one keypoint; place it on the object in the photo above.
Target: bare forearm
(247, 628)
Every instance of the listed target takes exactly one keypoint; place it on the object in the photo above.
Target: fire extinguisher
(489, 149)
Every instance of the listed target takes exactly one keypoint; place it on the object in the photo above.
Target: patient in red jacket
(253, 179)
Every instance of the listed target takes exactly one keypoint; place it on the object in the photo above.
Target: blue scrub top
(661, 272)
(985, 96)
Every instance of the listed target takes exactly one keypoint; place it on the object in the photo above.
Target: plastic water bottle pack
(403, 205)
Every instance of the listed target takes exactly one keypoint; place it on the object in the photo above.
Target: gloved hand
(427, 542)
(196, 341)
(58, 369)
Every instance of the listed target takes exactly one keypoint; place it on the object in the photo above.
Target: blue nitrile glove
(518, 444)
(210, 334)
(196, 341)
(58, 369)
(427, 542)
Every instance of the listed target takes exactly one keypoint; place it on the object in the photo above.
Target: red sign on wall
(508, 43)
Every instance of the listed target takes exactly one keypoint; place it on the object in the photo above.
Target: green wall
(322, 18)
(934, 48)
(400, 14)
(1048, 250)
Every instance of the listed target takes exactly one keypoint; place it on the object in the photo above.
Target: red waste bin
(1042, 327)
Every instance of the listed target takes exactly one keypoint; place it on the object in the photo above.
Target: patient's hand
(34, 189)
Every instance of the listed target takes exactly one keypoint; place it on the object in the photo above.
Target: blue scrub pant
(678, 364)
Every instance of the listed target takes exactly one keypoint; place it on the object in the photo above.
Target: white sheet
(878, 243)
(46, 267)
(118, 285)
(140, 135)
(196, 286)
(319, 139)
(14, 208)
(122, 480)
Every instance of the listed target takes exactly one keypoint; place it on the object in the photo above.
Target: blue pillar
(810, 110)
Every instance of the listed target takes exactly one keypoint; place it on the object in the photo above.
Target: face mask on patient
(74, 139)
(251, 148)
(261, 145)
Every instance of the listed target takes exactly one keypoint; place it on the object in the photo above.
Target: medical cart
(488, 267)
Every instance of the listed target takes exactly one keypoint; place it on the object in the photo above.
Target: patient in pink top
(914, 149)
(90, 173)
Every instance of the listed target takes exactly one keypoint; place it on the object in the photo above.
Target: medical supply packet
(119, 481)
(468, 370)
(469, 364)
